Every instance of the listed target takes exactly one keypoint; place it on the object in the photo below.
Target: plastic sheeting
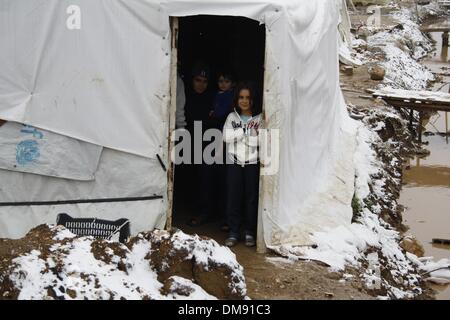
(15, 222)
(108, 83)
(105, 82)
(119, 175)
(28, 149)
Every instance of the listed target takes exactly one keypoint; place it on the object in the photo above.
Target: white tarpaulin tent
(108, 83)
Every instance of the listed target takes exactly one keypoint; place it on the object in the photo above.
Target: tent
(103, 74)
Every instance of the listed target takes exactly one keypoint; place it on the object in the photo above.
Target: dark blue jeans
(242, 198)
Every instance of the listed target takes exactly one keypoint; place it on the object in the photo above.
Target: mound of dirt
(199, 259)
(52, 263)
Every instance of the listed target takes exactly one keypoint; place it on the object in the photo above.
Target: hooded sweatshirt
(241, 138)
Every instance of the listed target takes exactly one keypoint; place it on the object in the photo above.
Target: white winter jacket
(242, 140)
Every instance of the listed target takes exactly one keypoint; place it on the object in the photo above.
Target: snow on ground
(370, 244)
(207, 253)
(404, 72)
(71, 269)
(403, 46)
(279, 261)
(432, 9)
(397, 50)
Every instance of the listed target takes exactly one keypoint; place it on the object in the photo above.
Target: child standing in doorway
(198, 105)
(221, 108)
(241, 134)
(223, 99)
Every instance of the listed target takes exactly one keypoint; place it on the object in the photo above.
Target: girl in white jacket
(241, 135)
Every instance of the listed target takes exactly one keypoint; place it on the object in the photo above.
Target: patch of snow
(347, 276)
(403, 46)
(207, 251)
(432, 9)
(358, 43)
(83, 276)
(437, 272)
(63, 233)
(279, 260)
(30, 276)
(197, 292)
(380, 126)
(349, 57)
(402, 71)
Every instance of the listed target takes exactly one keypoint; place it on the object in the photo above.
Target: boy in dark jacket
(198, 106)
(223, 99)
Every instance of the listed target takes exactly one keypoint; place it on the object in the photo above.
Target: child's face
(224, 83)
(245, 101)
(199, 84)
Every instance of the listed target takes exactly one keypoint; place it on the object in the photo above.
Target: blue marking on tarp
(27, 152)
(32, 130)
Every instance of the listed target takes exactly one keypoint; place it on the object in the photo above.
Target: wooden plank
(435, 29)
(413, 100)
(414, 94)
(172, 107)
(421, 107)
(441, 241)
(418, 108)
(419, 104)
(402, 99)
(444, 3)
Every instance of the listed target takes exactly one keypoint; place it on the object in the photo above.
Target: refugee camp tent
(102, 74)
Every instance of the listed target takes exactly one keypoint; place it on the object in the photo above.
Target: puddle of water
(441, 54)
(426, 194)
(426, 197)
(428, 216)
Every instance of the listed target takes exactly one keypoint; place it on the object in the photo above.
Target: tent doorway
(223, 43)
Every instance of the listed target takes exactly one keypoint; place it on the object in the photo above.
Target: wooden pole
(411, 118)
(419, 127)
(446, 127)
(172, 106)
(445, 39)
(446, 121)
(417, 12)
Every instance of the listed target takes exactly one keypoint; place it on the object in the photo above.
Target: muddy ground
(270, 277)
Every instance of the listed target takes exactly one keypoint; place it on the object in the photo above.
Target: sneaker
(231, 241)
(249, 241)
